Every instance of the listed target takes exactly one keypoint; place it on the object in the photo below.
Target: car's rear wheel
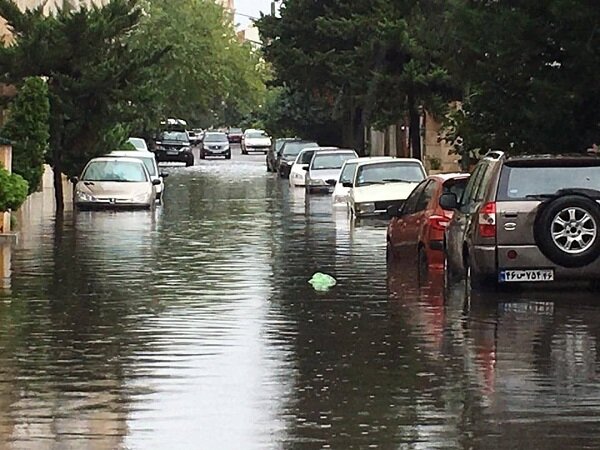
(389, 253)
(567, 231)
(202, 155)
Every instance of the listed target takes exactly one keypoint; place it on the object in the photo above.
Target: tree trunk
(414, 127)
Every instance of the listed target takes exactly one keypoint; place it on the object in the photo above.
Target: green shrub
(13, 190)
(28, 128)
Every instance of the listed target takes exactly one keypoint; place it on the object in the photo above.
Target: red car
(416, 230)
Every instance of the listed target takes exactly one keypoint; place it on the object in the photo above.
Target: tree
(530, 74)
(13, 190)
(208, 76)
(92, 72)
(27, 128)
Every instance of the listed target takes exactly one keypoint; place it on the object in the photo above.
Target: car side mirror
(394, 211)
(156, 181)
(163, 175)
(449, 201)
(74, 180)
(331, 182)
(347, 185)
(305, 168)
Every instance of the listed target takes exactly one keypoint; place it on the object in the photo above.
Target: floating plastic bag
(322, 281)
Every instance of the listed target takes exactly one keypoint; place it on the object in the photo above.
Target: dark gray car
(529, 219)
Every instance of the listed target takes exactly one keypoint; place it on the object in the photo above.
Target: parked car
(416, 230)
(151, 166)
(273, 153)
(138, 143)
(526, 219)
(115, 182)
(288, 153)
(255, 141)
(174, 146)
(324, 169)
(215, 144)
(341, 191)
(301, 163)
(378, 185)
(235, 135)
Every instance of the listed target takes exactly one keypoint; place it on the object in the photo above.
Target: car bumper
(257, 149)
(489, 262)
(98, 205)
(284, 170)
(319, 189)
(235, 139)
(162, 156)
(212, 152)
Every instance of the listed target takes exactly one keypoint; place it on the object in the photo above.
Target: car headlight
(83, 196)
(365, 208)
(340, 198)
(226, 147)
(184, 149)
(318, 183)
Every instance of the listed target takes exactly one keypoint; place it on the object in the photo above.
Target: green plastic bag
(322, 281)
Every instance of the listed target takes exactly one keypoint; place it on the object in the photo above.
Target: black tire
(389, 253)
(189, 163)
(477, 282)
(228, 155)
(546, 224)
(202, 155)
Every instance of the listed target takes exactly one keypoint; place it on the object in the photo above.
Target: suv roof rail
(494, 154)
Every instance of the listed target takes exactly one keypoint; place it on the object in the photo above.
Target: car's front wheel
(228, 155)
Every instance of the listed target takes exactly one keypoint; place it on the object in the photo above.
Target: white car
(378, 185)
(115, 182)
(324, 169)
(342, 191)
(150, 162)
(255, 141)
(138, 143)
(298, 170)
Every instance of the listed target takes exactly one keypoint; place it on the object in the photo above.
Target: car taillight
(487, 220)
(439, 223)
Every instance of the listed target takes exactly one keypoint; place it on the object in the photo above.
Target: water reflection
(194, 327)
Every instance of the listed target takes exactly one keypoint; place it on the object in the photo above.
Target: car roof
(449, 176)
(337, 150)
(317, 149)
(109, 158)
(128, 154)
(367, 161)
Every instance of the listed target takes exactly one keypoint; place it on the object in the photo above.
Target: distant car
(288, 153)
(215, 144)
(324, 169)
(235, 135)
(378, 185)
(300, 166)
(138, 143)
(255, 141)
(151, 166)
(273, 153)
(174, 146)
(115, 182)
(341, 190)
(195, 137)
(416, 230)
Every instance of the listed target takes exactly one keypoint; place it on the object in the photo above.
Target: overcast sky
(251, 8)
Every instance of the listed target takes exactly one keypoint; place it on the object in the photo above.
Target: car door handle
(511, 214)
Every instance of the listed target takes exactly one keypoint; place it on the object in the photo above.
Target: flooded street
(194, 326)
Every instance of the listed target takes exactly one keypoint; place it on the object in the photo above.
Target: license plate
(172, 152)
(526, 276)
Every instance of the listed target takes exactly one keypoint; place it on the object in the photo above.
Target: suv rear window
(519, 183)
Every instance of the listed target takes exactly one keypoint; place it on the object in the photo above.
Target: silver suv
(526, 219)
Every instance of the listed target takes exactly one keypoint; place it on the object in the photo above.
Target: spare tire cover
(567, 230)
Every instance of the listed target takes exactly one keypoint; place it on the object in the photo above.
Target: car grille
(383, 206)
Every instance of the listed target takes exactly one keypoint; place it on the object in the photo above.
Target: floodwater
(194, 327)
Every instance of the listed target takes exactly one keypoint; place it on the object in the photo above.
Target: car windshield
(348, 172)
(215, 137)
(121, 171)
(291, 149)
(389, 172)
(256, 134)
(138, 143)
(279, 143)
(330, 161)
(455, 186)
(305, 156)
(521, 183)
(179, 136)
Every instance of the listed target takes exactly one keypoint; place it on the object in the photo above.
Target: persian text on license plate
(526, 276)
(172, 152)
